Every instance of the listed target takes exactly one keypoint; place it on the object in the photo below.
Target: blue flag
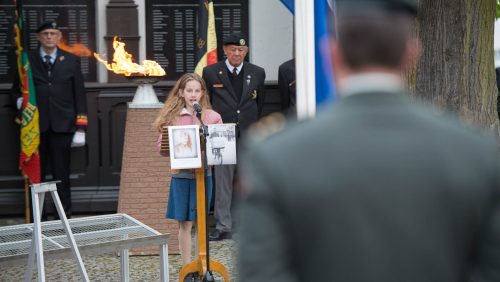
(325, 91)
(323, 16)
(290, 4)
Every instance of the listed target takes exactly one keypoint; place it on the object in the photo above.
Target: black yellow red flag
(206, 38)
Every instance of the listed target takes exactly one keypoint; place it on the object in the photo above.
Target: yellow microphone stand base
(199, 264)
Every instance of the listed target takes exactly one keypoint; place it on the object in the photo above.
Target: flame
(77, 49)
(123, 64)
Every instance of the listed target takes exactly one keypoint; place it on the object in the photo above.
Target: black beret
(47, 25)
(408, 6)
(236, 38)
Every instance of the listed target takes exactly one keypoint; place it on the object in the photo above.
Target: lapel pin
(220, 72)
(248, 79)
(61, 58)
(254, 94)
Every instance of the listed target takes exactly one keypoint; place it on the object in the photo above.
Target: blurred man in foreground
(378, 188)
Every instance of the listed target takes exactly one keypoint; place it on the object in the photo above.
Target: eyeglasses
(51, 33)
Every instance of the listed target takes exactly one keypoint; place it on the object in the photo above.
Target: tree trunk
(456, 71)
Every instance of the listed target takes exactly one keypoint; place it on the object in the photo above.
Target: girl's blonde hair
(175, 102)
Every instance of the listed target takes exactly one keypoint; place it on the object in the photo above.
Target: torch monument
(144, 178)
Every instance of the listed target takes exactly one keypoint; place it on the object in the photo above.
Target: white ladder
(36, 242)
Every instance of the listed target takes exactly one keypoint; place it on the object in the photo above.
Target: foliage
(498, 9)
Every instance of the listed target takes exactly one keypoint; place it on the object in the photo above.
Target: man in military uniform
(62, 106)
(236, 90)
(379, 188)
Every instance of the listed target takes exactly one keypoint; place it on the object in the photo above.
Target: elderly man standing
(389, 191)
(62, 105)
(236, 90)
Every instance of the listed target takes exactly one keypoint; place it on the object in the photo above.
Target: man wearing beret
(390, 191)
(62, 106)
(236, 90)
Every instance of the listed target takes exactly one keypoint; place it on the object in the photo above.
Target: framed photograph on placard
(184, 145)
(221, 144)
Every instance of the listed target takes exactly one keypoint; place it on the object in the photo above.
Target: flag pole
(305, 68)
(27, 210)
(29, 161)
(23, 41)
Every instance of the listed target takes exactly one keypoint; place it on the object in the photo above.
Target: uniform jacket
(287, 87)
(375, 189)
(224, 99)
(60, 97)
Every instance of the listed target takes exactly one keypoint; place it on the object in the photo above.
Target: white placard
(184, 146)
(221, 144)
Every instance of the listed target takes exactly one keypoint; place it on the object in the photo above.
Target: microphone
(196, 107)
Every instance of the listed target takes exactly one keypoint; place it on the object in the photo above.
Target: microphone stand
(203, 264)
(208, 276)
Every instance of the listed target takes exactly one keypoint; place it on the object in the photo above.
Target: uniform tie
(235, 71)
(48, 63)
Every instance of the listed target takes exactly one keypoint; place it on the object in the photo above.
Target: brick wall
(145, 177)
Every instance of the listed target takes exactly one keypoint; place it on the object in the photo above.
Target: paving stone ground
(107, 267)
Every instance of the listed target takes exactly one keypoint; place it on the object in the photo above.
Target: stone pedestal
(145, 176)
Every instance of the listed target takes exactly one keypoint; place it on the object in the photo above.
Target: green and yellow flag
(29, 159)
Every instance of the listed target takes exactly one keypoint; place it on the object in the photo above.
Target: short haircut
(373, 37)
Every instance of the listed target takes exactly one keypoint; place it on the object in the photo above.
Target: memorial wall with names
(171, 27)
(75, 18)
